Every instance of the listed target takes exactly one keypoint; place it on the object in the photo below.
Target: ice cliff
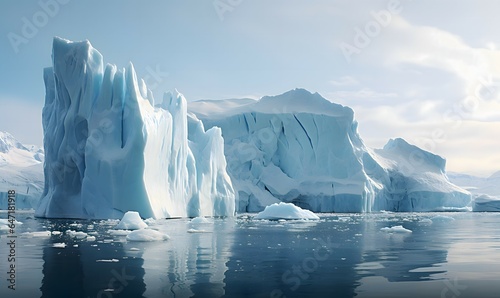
(298, 147)
(110, 150)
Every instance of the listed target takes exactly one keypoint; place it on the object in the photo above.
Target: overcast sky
(427, 71)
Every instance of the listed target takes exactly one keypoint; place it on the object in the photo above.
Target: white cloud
(345, 81)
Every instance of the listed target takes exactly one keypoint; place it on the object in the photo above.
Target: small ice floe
(109, 261)
(90, 238)
(77, 235)
(147, 235)
(59, 245)
(55, 233)
(282, 210)
(395, 229)
(134, 249)
(131, 221)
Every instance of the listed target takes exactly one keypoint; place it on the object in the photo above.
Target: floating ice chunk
(56, 233)
(147, 235)
(395, 229)
(91, 238)
(59, 245)
(200, 220)
(134, 249)
(119, 232)
(285, 211)
(75, 234)
(131, 221)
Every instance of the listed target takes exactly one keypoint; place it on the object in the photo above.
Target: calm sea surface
(341, 255)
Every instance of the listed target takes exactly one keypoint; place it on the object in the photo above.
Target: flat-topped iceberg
(300, 148)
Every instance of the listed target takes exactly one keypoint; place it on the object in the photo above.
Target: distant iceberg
(110, 150)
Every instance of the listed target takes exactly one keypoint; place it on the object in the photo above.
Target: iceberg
(109, 149)
(486, 203)
(300, 148)
(285, 211)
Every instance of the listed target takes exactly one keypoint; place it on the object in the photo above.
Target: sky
(426, 71)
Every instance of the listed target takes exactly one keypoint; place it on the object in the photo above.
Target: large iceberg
(110, 150)
(301, 148)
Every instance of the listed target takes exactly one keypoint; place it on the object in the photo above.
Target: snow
(20, 170)
(395, 229)
(131, 221)
(147, 235)
(285, 211)
(300, 148)
(110, 149)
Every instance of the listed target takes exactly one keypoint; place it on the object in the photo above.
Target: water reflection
(91, 269)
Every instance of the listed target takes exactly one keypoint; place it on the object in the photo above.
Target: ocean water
(341, 255)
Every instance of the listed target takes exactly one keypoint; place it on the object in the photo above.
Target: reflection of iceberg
(75, 272)
(403, 257)
(189, 264)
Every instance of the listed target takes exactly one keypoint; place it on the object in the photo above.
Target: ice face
(300, 148)
(108, 150)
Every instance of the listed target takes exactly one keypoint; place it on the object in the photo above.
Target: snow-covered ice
(285, 211)
(131, 221)
(396, 229)
(147, 235)
(109, 149)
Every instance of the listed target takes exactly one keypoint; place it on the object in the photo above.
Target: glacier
(110, 149)
(300, 148)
